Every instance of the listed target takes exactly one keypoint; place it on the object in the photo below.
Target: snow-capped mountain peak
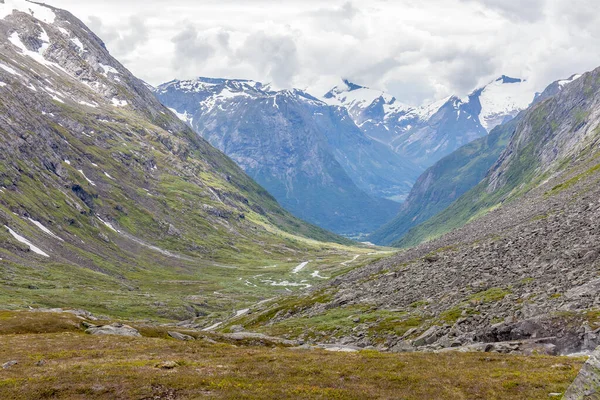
(357, 98)
(502, 99)
(40, 12)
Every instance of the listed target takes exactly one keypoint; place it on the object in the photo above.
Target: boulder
(252, 336)
(9, 364)
(180, 336)
(587, 384)
(114, 329)
(428, 337)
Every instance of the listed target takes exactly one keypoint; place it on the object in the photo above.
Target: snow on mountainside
(357, 98)
(42, 13)
(426, 134)
(310, 155)
(503, 99)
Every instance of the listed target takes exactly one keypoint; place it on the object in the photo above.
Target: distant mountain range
(426, 134)
(334, 160)
(451, 177)
(504, 257)
(311, 156)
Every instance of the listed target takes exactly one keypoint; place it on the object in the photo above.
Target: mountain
(523, 164)
(517, 274)
(109, 202)
(445, 182)
(453, 176)
(310, 156)
(426, 134)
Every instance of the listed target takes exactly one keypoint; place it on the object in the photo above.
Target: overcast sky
(418, 50)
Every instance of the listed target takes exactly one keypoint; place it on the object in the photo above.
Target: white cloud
(419, 50)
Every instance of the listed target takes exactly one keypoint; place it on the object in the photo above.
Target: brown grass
(79, 366)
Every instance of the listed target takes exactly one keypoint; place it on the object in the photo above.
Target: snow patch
(37, 11)
(2, 84)
(564, 82)
(286, 283)
(85, 103)
(108, 224)
(242, 312)
(10, 70)
(108, 69)
(108, 176)
(316, 275)
(67, 162)
(119, 103)
(499, 100)
(44, 229)
(86, 178)
(39, 55)
(21, 239)
(214, 326)
(78, 43)
(300, 267)
(349, 261)
(185, 117)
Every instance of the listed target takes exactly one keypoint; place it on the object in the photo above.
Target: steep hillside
(310, 156)
(109, 202)
(454, 175)
(552, 133)
(521, 276)
(426, 134)
(445, 182)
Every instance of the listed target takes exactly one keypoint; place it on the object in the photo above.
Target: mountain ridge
(108, 202)
(310, 155)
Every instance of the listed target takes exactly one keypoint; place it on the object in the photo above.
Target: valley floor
(67, 363)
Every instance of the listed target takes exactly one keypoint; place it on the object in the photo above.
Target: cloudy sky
(418, 50)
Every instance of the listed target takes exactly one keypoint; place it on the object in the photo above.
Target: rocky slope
(309, 155)
(426, 134)
(521, 276)
(109, 202)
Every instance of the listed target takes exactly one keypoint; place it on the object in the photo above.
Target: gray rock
(428, 337)
(173, 231)
(9, 364)
(114, 329)
(587, 384)
(260, 337)
(180, 336)
(236, 328)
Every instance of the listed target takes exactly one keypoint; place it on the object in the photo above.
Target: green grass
(230, 236)
(492, 295)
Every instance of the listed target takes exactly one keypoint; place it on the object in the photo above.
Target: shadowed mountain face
(445, 182)
(310, 156)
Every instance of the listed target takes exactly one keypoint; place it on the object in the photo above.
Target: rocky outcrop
(587, 384)
(180, 336)
(115, 329)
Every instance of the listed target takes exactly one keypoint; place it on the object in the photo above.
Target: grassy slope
(196, 235)
(445, 182)
(81, 366)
